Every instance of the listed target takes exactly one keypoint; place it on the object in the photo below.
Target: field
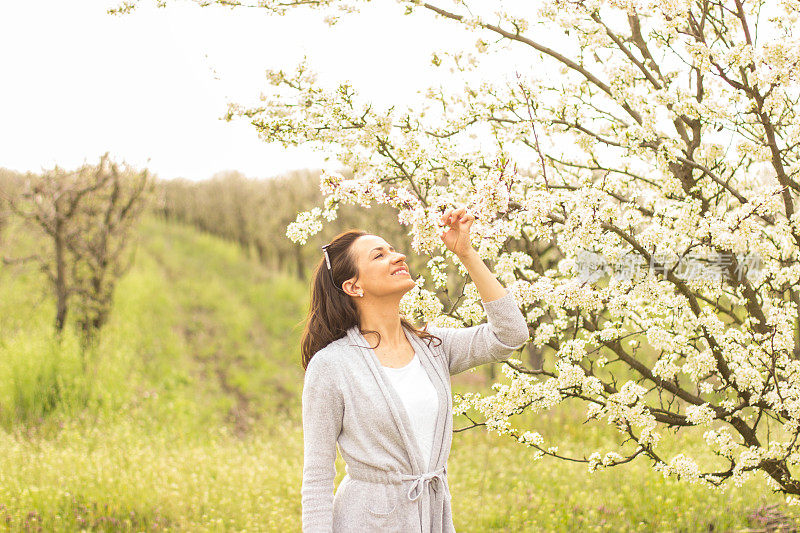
(186, 418)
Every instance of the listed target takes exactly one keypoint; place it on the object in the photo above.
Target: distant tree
(174, 199)
(88, 216)
(103, 251)
(9, 186)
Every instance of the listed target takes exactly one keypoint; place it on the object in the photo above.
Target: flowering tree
(660, 137)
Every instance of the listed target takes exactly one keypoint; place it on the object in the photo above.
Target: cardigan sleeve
(323, 412)
(505, 331)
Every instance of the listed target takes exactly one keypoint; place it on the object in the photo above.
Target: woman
(388, 406)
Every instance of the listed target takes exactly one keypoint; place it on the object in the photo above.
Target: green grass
(188, 419)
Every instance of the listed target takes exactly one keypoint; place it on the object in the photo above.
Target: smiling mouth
(400, 273)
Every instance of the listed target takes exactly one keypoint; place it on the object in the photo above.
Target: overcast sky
(150, 87)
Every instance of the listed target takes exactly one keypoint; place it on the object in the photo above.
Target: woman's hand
(456, 239)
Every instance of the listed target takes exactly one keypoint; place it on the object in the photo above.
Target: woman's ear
(350, 288)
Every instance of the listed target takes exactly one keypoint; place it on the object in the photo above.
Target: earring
(361, 294)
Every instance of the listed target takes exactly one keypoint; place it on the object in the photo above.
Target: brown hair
(333, 311)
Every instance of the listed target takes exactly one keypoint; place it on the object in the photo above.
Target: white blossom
(700, 415)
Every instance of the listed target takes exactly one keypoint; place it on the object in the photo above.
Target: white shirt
(420, 401)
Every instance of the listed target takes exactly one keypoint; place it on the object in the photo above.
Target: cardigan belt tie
(435, 476)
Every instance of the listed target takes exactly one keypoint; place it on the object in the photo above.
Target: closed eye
(380, 254)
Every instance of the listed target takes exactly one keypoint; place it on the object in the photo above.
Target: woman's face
(377, 263)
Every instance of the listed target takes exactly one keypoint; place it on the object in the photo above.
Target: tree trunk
(60, 278)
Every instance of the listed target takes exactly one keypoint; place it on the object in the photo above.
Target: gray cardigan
(348, 399)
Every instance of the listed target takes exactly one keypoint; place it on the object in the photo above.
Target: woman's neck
(390, 329)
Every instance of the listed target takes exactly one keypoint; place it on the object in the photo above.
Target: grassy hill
(186, 417)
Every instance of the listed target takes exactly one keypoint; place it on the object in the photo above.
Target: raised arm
(495, 340)
(506, 329)
(323, 411)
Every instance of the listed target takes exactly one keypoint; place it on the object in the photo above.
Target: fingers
(458, 214)
(448, 218)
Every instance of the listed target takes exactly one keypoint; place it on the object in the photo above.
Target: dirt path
(214, 355)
